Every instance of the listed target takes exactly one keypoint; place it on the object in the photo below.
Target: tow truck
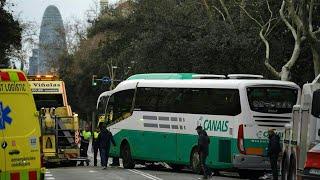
(301, 145)
(60, 135)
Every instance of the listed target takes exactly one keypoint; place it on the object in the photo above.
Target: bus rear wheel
(128, 162)
(195, 161)
(249, 174)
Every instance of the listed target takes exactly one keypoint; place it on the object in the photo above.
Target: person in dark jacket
(274, 148)
(203, 145)
(105, 138)
(95, 145)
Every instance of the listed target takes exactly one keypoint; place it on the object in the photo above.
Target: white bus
(155, 121)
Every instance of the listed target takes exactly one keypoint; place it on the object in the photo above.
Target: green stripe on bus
(174, 148)
(14, 76)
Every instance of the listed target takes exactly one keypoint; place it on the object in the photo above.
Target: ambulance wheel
(195, 161)
(127, 160)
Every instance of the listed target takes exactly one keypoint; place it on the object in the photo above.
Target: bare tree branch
(311, 6)
(293, 31)
(267, 55)
(226, 11)
(251, 17)
(270, 19)
(220, 12)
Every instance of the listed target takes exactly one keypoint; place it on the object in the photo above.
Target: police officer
(105, 138)
(203, 145)
(95, 145)
(274, 148)
(85, 139)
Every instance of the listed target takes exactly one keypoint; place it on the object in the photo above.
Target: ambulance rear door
(21, 129)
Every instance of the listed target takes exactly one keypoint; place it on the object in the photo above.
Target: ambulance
(19, 129)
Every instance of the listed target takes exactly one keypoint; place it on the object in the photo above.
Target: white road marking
(91, 171)
(144, 174)
(50, 178)
(48, 175)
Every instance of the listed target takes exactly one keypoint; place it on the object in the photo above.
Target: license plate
(315, 171)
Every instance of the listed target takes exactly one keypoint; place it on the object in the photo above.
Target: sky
(32, 10)
(70, 10)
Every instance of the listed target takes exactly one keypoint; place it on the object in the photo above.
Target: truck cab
(60, 126)
(303, 133)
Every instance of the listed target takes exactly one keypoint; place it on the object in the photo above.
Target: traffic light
(94, 82)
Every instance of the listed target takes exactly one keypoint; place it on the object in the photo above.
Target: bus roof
(194, 83)
(164, 76)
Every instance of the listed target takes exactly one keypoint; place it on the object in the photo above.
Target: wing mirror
(318, 132)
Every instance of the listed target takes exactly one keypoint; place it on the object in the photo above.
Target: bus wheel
(176, 167)
(244, 174)
(128, 162)
(292, 170)
(250, 174)
(195, 161)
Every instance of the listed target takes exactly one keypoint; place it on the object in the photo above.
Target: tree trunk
(285, 72)
(316, 60)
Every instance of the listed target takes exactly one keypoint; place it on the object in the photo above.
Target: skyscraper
(34, 62)
(52, 41)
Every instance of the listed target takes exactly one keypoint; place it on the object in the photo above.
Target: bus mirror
(318, 132)
(288, 126)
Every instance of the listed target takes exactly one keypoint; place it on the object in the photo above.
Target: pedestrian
(85, 140)
(95, 145)
(203, 147)
(105, 138)
(274, 149)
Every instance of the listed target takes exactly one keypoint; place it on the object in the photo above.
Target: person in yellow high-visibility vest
(85, 139)
(95, 145)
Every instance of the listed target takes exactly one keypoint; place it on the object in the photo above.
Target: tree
(10, 34)
(298, 19)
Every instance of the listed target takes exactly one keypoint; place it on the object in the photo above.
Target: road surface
(156, 172)
(118, 173)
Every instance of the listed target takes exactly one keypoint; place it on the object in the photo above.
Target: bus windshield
(272, 99)
(102, 105)
(48, 100)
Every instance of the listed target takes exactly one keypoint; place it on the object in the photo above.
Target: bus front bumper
(252, 162)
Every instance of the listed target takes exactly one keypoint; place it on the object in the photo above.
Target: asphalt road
(118, 173)
(155, 172)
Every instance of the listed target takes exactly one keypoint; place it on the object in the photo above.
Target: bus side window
(109, 111)
(122, 108)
